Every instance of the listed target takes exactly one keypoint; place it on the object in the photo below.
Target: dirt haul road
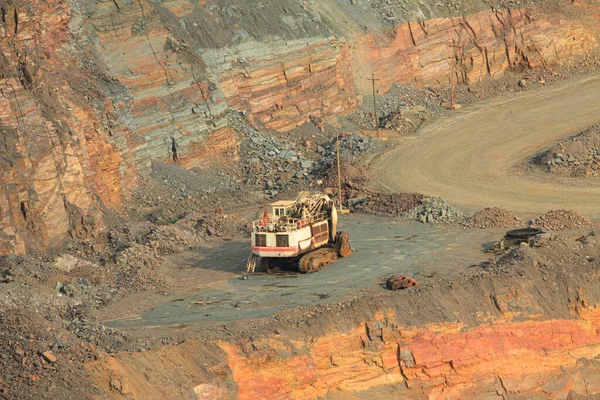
(477, 157)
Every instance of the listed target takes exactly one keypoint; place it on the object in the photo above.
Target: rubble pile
(434, 210)
(407, 98)
(398, 121)
(219, 225)
(493, 217)
(387, 204)
(578, 156)
(360, 197)
(183, 183)
(556, 220)
(171, 239)
(351, 146)
(140, 268)
(269, 160)
(403, 108)
(281, 164)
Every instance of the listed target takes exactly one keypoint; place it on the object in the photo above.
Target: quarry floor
(478, 156)
(211, 288)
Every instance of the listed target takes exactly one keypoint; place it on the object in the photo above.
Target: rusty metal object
(401, 282)
(317, 260)
(517, 236)
(342, 247)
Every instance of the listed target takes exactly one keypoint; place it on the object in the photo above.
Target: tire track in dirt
(477, 156)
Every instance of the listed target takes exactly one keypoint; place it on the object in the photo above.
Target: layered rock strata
(530, 329)
(93, 91)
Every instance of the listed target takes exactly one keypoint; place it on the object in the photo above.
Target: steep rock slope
(529, 326)
(93, 91)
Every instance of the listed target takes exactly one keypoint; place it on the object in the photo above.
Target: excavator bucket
(342, 246)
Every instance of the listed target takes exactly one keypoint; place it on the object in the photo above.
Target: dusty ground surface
(216, 292)
(170, 264)
(478, 156)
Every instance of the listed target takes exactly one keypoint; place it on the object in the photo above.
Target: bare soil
(169, 267)
(477, 157)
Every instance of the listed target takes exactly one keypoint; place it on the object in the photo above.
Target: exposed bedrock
(93, 91)
(530, 329)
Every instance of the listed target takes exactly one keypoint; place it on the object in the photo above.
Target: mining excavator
(302, 231)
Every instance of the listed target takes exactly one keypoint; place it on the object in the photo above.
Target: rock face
(472, 47)
(525, 325)
(93, 91)
(547, 359)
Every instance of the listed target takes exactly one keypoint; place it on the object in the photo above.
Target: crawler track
(317, 260)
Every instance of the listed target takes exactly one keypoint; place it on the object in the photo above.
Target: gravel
(434, 210)
(493, 218)
(578, 156)
(556, 220)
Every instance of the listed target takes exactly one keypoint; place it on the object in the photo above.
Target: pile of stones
(556, 220)
(493, 217)
(434, 210)
(269, 160)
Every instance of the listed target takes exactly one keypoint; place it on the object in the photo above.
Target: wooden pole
(337, 150)
(452, 85)
(265, 214)
(375, 119)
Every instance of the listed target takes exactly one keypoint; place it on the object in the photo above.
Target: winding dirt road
(477, 156)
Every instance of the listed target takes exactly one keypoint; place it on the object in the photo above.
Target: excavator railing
(286, 224)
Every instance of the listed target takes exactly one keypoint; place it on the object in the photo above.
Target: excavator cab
(281, 209)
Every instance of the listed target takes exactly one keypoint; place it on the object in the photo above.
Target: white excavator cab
(281, 208)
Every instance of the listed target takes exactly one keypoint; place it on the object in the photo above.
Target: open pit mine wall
(528, 333)
(94, 91)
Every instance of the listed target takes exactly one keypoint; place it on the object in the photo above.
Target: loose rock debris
(560, 220)
(493, 218)
(434, 210)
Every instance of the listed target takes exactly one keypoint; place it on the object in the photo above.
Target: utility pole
(453, 105)
(375, 119)
(452, 87)
(337, 151)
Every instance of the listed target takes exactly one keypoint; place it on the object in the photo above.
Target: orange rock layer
(535, 359)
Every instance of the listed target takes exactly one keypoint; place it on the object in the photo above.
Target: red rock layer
(288, 84)
(472, 47)
(80, 120)
(282, 84)
(44, 190)
(536, 359)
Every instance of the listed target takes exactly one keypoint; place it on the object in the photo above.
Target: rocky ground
(49, 300)
(493, 217)
(524, 297)
(557, 220)
(578, 156)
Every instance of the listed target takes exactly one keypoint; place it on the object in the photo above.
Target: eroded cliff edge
(526, 324)
(94, 91)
